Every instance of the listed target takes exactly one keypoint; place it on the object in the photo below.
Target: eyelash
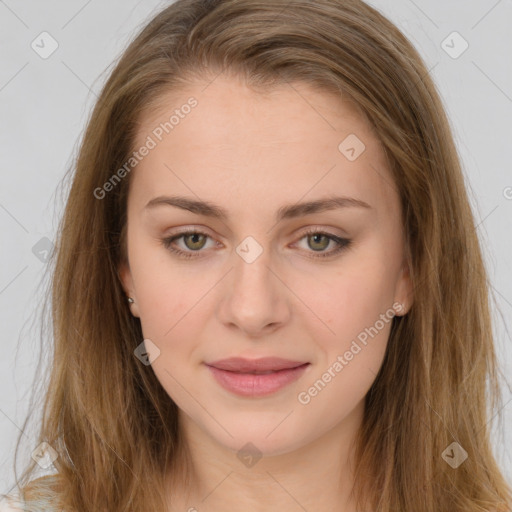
(343, 243)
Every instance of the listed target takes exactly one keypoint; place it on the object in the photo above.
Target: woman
(268, 291)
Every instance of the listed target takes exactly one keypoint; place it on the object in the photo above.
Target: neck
(316, 475)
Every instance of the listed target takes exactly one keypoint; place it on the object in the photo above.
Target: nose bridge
(252, 277)
(255, 296)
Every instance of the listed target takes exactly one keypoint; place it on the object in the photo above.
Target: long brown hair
(107, 416)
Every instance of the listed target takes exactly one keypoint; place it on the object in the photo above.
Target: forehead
(230, 103)
(273, 145)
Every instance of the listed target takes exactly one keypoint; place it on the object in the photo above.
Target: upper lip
(242, 365)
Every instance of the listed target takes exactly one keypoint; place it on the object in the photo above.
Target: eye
(194, 241)
(321, 240)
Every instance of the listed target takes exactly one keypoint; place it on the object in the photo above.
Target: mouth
(258, 377)
(256, 366)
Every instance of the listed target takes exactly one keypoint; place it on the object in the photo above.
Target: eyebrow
(290, 211)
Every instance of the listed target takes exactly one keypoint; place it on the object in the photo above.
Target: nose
(255, 298)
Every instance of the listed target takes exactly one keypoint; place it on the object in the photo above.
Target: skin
(252, 153)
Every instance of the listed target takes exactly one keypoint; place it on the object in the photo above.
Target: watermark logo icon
(44, 455)
(454, 45)
(249, 455)
(351, 147)
(43, 249)
(249, 249)
(454, 455)
(147, 352)
(44, 45)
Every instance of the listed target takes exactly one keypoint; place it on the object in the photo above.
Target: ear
(125, 276)
(404, 291)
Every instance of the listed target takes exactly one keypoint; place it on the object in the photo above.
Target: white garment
(11, 503)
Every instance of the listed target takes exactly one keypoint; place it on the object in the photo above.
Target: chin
(261, 443)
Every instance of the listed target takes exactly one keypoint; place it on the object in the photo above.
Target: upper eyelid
(309, 231)
(205, 231)
(341, 243)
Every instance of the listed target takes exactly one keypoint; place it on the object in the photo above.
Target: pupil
(194, 239)
(317, 237)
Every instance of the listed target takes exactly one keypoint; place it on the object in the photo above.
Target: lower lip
(247, 384)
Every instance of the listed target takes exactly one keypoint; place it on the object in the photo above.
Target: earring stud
(130, 300)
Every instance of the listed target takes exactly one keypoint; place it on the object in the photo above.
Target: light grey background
(45, 102)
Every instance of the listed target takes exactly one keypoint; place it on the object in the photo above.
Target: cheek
(169, 314)
(167, 291)
(359, 317)
(342, 303)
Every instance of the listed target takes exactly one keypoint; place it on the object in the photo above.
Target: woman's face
(258, 282)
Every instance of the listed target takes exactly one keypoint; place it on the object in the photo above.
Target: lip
(264, 364)
(238, 375)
